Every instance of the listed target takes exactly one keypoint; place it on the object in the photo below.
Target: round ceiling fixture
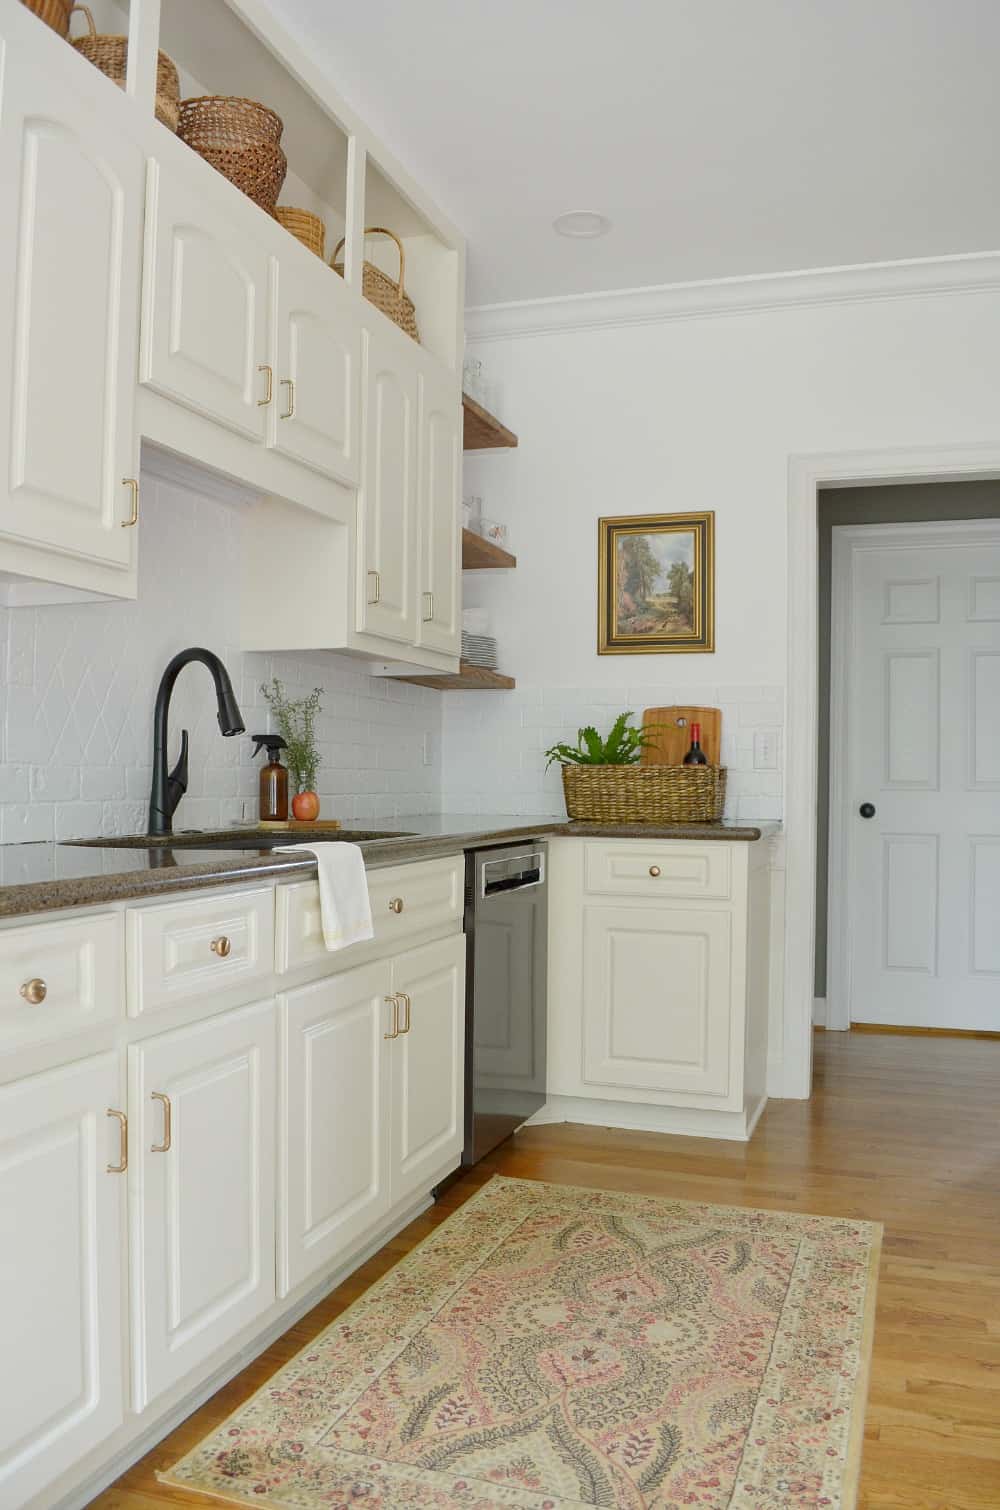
(582, 224)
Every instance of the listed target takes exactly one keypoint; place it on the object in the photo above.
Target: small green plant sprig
(623, 746)
(296, 720)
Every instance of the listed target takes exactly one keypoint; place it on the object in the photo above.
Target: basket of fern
(603, 781)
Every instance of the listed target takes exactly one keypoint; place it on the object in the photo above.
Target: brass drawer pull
(122, 1164)
(396, 905)
(269, 390)
(654, 871)
(221, 946)
(393, 1001)
(34, 990)
(289, 383)
(407, 1006)
(133, 518)
(163, 1147)
(378, 589)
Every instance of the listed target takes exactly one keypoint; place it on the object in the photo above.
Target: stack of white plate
(479, 650)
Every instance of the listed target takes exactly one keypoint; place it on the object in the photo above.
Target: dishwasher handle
(501, 876)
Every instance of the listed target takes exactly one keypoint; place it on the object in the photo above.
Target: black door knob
(867, 809)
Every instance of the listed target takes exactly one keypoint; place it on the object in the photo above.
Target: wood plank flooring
(902, 1130)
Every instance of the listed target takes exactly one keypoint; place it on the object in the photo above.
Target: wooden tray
(672, 737)
(293, 823)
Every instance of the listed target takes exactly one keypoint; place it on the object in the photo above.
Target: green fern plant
(623, 746)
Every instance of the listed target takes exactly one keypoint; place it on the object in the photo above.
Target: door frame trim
(850, 541)
(791, 1065)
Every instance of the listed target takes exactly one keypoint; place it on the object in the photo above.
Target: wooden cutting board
(671, 731)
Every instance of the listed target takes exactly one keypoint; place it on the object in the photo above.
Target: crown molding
(921, 277)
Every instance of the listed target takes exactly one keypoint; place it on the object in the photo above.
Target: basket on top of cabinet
(379, 289)
(109, 53)
(241, 140)
(54, 13)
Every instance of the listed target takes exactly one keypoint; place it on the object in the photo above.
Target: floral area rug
(550, 1348)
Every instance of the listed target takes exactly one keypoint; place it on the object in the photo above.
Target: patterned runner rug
(550, 1348)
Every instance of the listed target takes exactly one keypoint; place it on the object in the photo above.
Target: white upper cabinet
(440, 531)
(205, 301)
(68, 312)
(387, 530)
(317, 367)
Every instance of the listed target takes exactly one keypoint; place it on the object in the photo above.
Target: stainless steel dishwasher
(506, 917)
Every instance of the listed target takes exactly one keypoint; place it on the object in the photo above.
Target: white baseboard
(819, 1011)
(637, 1116)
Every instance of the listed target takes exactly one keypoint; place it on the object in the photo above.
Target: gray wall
(909, 503)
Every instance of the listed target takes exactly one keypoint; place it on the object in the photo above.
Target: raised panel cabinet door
(68, 313)
(440, 524)
(333, 1119)
(205, 303)
(428, 1064)
(61, 1272)
(314, 417)
(201, 1102)
(657, 1001)
(387, 523)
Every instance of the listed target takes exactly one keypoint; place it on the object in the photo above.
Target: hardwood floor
(902, 1130)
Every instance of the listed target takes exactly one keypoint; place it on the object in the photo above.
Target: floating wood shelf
(482, 430)
(466, 679)
(482, 555)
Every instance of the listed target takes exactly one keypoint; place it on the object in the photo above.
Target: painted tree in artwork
(681, 580)
(638, 569)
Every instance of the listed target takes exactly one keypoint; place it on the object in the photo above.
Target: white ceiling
(722, 137)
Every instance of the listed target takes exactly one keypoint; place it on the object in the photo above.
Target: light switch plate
(765, 750)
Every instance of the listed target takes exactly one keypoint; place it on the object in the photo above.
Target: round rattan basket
(645, 793)
(109, 53)
(304, 226)
(379, 289)
(54, 13)
(240, 139)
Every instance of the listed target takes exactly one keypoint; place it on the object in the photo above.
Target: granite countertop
(46, 877)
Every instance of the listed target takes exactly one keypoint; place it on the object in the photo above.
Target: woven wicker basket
(379, 289)
(109, 53)
(645, 794)
(54, 13)
(240, 138)
(304, 226)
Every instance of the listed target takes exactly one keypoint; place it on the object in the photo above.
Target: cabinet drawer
(641, 868)
(59, 978)
(431, 894)
(212, 944)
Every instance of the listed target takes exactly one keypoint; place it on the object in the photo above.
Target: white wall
(77, 685)
(680, 415)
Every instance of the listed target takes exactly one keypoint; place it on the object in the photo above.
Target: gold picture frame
(656, 584)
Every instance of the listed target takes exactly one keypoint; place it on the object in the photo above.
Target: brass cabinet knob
(396, 904)
(34, 990)
(654, 871)
(222, 946)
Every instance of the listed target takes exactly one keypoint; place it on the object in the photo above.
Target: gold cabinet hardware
(654, 871)
(289, 383)
(396, 905)
(407, 1007)
(163, 1147)
(393, 1001)
(222, 946)
(34, 990)
(378, 589)
(122, 1164)
(269, 388)
(133, 518)
(428, 607)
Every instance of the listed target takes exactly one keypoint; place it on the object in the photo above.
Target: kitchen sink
(241, 838)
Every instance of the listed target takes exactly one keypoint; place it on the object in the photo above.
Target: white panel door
(428, 1064)
(61, 1272)
(317, 368)
(68, 311)
(440, 525)
(205, 302)
(202, 1195)
(387, 524)
(914, 921)
(657, 1000)
(333, 1183)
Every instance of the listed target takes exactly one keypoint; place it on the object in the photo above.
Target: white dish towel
(343, 892)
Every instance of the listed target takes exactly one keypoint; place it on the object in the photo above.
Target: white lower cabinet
(202, 1191)
(427, 1064)
(62, 1211)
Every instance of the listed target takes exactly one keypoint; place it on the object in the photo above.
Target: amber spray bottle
(273, 779)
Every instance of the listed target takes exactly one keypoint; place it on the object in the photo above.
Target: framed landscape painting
(656, 587)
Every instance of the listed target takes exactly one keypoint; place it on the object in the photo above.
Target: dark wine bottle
(695, 755)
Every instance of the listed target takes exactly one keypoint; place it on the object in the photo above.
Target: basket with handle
(109, 53)
(54, 13)
(645, 794)
(379, 289)
(304, 226)
(241, 139)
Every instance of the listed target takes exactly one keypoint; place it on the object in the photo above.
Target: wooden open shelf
(482, 555)
(466, 679)
(482, 430)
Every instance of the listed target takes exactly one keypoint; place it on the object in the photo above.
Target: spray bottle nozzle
(272, 743)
